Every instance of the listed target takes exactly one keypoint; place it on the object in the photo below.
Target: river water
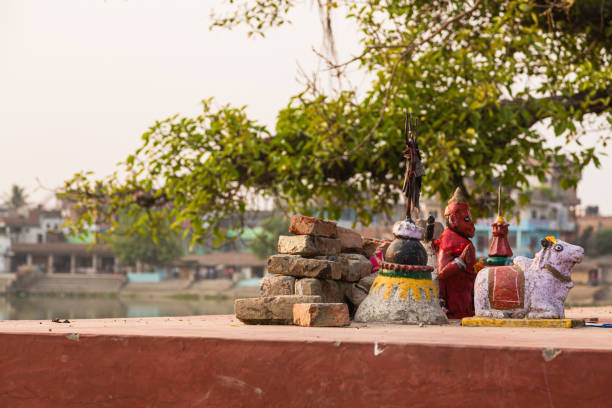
(51, 307)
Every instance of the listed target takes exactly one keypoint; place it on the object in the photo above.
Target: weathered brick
(274, 285)
(269, 310)
(297, 245)
(302, 225)
(349, 239)
(360, 264)
(371, 245)
(367, 282)
(340, 266)
(352, 274)
(335, 291)
(309, 286)
(331, 291)
(308, 245)
(328, 246)
(355, 293)
(295, 265)
(321, 314)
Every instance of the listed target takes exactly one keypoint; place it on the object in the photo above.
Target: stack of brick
(322, 265)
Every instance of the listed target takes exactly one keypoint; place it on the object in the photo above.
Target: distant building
(13, 228)
(34, 237)
(5, 253)
(63, 257)
(37, 225)
(596, 222)
(591, 210)
(245, 264)
(4, 210)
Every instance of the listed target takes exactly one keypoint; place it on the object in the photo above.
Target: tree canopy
(478, 74)
(133, 241)
(18, 197)
(265, 242)
(603, 242)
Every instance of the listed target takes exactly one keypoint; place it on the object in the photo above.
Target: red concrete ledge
(210, 361)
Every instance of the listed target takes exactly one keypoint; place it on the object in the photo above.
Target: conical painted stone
(403, 292)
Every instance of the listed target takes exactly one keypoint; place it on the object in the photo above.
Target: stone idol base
(401, 300)
(544, 323)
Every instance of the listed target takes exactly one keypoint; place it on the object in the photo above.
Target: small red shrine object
(500, 246)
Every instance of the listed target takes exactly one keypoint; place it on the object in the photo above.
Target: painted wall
(146, 277)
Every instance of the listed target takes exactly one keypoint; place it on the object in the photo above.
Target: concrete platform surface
(603, 313)
(216, 361)
(230, 328)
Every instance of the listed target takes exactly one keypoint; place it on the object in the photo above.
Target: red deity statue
(456, 258)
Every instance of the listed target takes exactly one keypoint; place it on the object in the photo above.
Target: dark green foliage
(18, 197)
(478, 74)
(158, 246)
(603, 242)
(585, 240)
(265, 242)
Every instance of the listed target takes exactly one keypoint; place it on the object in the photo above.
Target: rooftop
(60, 248)
(12, 221)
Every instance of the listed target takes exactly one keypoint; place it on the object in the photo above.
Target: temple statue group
(498, 287)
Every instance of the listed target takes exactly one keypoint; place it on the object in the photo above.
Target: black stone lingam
(406, 252)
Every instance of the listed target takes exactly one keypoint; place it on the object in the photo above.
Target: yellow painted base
(405, 285)
(547, 323)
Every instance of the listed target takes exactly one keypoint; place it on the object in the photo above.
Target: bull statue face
(559, 254)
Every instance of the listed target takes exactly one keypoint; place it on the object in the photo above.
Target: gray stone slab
(308, 245)
(358, 263)
(295, 265)
(350, 240)
(331, 291)
(271, 309)
(274, 285)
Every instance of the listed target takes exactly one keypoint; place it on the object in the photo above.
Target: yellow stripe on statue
(404, 285)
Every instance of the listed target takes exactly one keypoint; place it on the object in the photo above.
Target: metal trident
(410, 153)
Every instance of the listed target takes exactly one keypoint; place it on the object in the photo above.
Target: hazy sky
(81, 80)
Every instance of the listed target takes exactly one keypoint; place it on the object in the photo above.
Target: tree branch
(533, 105)
(408, 48)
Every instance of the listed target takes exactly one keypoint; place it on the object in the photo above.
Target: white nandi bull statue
(533, 288)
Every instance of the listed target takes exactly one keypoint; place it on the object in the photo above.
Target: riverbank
(119, 286)
(70, 297)
(96, 306)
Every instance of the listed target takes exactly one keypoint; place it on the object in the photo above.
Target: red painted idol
(456, 258)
